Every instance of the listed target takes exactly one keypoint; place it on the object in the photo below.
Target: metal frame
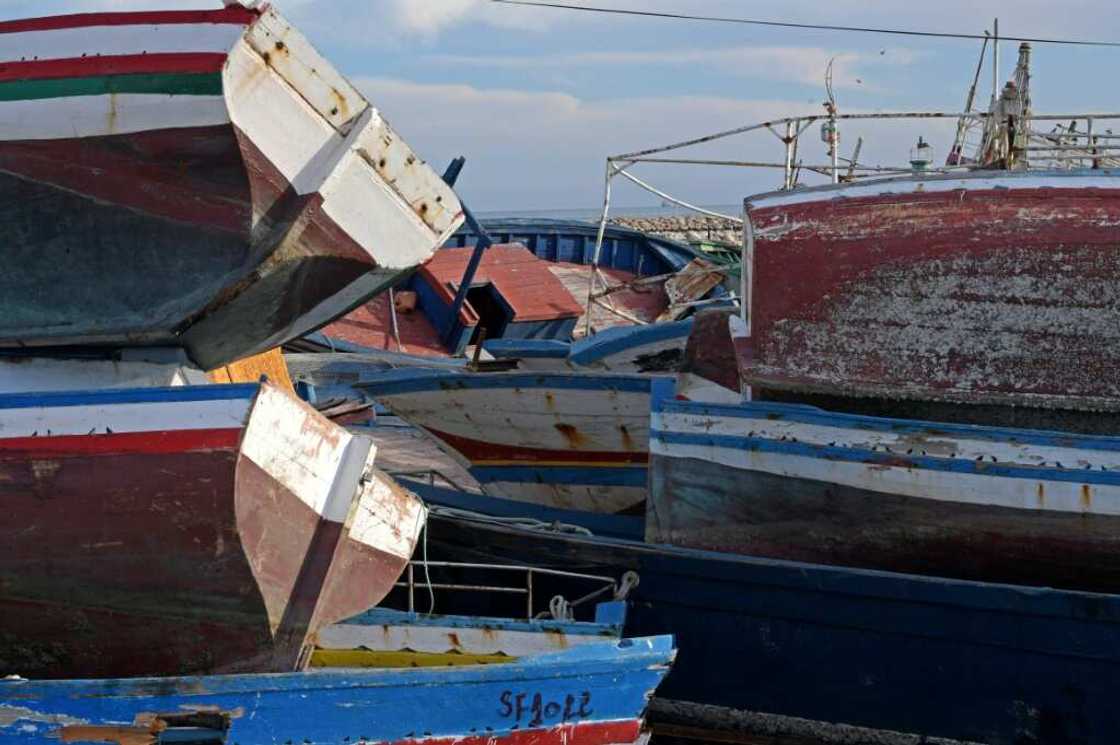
(618, 589)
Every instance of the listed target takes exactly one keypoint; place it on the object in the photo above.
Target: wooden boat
(778, 651)
(792, 481)
(594, 694)
(204, 179)
(995, 288)
(179, 530)
(571, 440)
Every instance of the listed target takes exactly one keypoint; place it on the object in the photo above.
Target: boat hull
(904, 655)
(197, 184)
(593, 695)
(183, 530)
(797, 482)
(992, 288)
(574, 440)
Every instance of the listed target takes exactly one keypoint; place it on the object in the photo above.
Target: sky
(538, 98)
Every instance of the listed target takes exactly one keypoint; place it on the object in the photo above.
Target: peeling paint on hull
(571, 440)
(593, 695)
(997, 288)
(181, 530)
(789, 481)
(191, 165)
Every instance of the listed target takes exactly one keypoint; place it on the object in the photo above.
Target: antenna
(995, 61)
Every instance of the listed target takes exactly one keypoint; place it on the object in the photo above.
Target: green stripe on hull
(192, 84)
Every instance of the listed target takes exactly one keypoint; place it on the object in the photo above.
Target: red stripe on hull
(232, 15)
(148, 443)
(191, 175)
(990, 293)
(479, 453)
(131, 64)
(148, 563)
(588, 733)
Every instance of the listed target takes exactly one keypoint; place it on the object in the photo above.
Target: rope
(561, 609)
(527, 523)
(629, 582)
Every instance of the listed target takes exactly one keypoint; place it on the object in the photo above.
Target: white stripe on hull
(98, 116)
(123, 418)
(451, 639)
(94, 41)
(960, 448)
(918, 483)
(934, 185)
(541, 418)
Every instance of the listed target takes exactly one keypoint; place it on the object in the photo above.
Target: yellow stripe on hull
(398, 659)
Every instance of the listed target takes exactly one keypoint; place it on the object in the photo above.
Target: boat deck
(537, 289)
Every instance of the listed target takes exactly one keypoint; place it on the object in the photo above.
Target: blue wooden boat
(573, 241)
(777, 649)
(594, 694)
(654, 348)
(385, 638)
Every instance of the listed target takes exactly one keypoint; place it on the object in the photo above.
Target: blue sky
(537, 98)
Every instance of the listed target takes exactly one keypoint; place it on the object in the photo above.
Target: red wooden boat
(208, 529)
(202, 179)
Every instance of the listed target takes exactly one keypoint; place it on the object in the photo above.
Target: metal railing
(604, 586)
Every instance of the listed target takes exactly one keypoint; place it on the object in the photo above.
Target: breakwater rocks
(686, 228)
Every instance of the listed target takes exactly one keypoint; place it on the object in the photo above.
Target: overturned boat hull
(205, 178)
(185, 530)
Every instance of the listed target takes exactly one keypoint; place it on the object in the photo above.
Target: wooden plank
(251, 369)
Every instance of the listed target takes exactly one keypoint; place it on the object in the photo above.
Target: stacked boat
(181, 190)
(881, 499)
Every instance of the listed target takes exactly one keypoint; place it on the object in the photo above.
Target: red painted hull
(167, 553)
(205, 196)
(1004, 291)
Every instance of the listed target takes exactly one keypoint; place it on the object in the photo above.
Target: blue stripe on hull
(590, 683)
(179, 394)
(813, 415)
(610, 617)
(396, 382)
(622, 338)
(891, 459)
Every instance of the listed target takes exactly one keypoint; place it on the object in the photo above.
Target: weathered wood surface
(202, 179)
(206, 529)
(594, 694)
(994, 287)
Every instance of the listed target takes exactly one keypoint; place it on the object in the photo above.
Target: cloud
(778, 63)
(548, 149)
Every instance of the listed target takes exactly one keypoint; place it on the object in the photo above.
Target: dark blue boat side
(895, 653)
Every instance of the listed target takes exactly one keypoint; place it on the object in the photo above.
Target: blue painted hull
(574, 242)
(964, 660)
(591, 694)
